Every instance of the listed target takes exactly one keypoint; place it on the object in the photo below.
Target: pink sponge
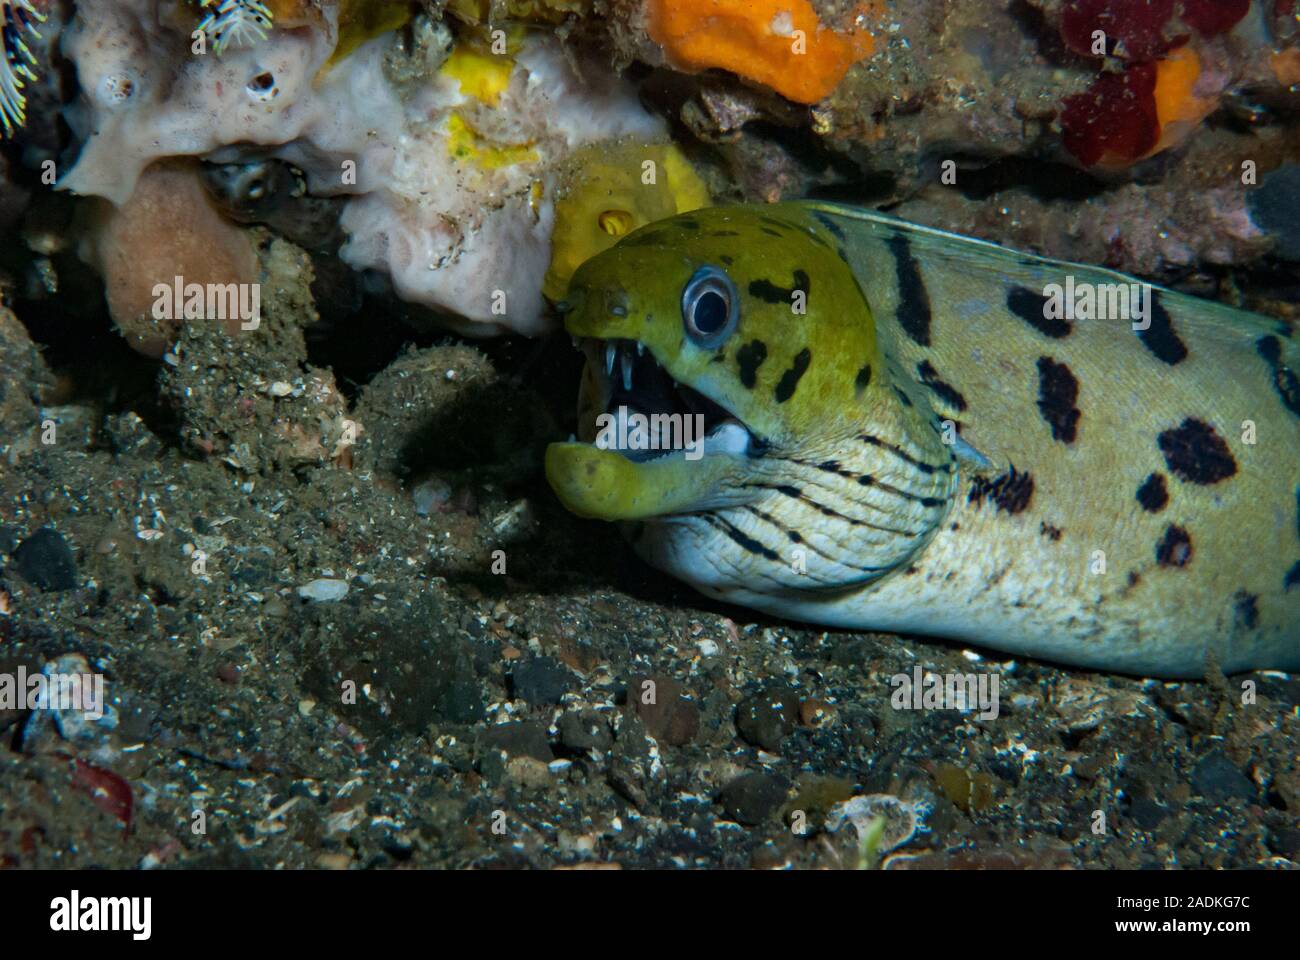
(167, 229)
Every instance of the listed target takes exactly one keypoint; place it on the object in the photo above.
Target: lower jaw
(670, 418)
(607, 485)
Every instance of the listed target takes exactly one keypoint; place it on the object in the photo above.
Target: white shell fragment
(324, 590)
(903, 819)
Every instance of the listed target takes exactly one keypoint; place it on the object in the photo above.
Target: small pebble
(228, 673)
(671, 718)
(1285, 841)
(753, 797)
(45, 561)
(523, 739)
(512, 523)
(767, 717)
(430, 496)
(75, 703)
(965, 789)
(528, 772)
(324, 590)
(584, 730)
(540, 680)
(1216, 778)
(1147, 813)
(814, 712)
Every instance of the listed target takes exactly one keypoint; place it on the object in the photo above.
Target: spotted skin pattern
(933, 455)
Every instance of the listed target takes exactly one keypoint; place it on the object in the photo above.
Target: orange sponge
(1286, 67)
(1178, 107)
(778, 43)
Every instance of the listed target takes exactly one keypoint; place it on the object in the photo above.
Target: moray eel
(907, 432)
(272, 192)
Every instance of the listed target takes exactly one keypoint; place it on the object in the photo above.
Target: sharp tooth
(640, 348)
(627, 372)
(610, 351)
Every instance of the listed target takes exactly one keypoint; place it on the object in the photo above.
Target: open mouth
(651, 415)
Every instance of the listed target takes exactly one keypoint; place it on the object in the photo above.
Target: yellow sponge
(611, 191)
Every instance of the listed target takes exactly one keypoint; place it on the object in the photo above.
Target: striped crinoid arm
(234, 23)
(18, 19)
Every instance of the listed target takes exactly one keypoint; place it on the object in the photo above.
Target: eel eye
(710, 307)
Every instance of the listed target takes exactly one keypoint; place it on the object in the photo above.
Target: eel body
(912, 431)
